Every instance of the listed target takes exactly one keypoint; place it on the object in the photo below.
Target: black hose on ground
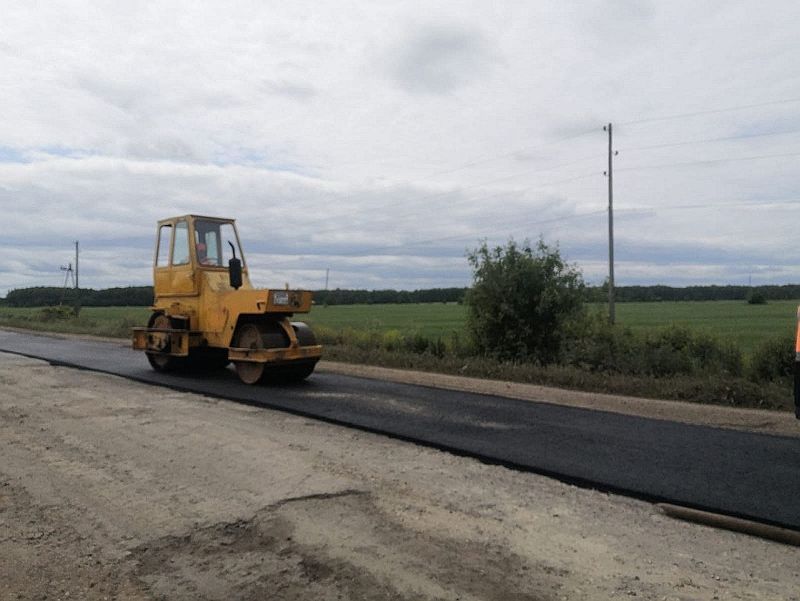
(726, 522)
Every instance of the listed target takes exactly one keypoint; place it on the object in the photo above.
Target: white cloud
(400, 133)
(440, 59)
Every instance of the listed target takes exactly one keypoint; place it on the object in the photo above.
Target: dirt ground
(111, 489)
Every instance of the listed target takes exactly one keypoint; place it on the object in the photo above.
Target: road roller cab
(206, 313)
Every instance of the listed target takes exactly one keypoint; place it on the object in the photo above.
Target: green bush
(600, 347)
(597, 346)
(756, 297)
(58, 312)
(773, 360)
(684, 351)
(522, 301)
(392, 340)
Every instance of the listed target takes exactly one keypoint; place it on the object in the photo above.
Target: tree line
(377, 297)
(132, 296)
(631, 294)
(42, 296)
(48, 296)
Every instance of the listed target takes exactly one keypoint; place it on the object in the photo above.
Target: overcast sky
(382, 140)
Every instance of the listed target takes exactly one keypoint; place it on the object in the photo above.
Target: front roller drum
(256, 336)
(250, 336)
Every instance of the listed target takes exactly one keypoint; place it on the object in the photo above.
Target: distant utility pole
(612, 315)
(69, 275)
(76, 265)
(327, 273)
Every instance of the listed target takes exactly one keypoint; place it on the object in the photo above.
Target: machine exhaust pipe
(234, 269)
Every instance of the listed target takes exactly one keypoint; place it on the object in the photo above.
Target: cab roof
(193, 217)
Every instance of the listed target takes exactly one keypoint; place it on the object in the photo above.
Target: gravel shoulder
(111, 489)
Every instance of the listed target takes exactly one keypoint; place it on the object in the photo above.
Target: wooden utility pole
(610, 173)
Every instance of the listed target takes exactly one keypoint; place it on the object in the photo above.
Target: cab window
(212, 240)
(180, 251)
(164, 237)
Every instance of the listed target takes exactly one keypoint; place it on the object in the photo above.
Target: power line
(498, 227)
(420, 212)
(417, 213)
(501, 226)
(461, 167)
(510, 154)
(567, 138)
(707, 140)
(488, 159)
(711, 161)
(366, 252)
(722, 204)
(473, 163)
(710, 111)
(546, 184)
(498, 180)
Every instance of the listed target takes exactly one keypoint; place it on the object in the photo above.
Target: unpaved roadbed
(112, 489)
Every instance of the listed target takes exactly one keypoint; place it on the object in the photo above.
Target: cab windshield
(212, 240)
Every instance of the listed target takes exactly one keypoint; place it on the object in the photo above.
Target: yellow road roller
(206, 313)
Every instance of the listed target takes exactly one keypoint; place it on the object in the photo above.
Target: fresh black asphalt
(738, 473)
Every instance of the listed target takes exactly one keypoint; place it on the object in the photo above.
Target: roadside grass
(115, 322)
(432, 337)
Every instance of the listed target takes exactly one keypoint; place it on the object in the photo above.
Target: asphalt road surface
(743, 474)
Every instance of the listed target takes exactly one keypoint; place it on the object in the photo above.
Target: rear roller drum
(295, 372)
(302, 369)
(158, 361)
(305, 335)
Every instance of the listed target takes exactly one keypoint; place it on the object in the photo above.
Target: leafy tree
(523, 302)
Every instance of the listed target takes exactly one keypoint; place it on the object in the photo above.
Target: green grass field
(735, 321)
(429, 319)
